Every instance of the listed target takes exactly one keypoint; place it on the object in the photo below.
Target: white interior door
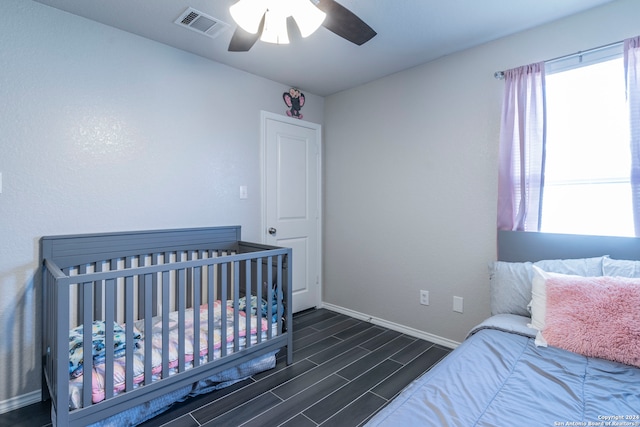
(291, 202)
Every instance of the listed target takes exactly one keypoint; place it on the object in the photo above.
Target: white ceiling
(410, 32)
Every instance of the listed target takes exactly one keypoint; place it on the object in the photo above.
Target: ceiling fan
(262, 22)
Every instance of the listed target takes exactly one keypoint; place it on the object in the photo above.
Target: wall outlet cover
(424, 297)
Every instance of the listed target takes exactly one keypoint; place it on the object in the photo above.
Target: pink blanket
(98, 374)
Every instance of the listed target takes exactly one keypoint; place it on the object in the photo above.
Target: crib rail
(138, 289)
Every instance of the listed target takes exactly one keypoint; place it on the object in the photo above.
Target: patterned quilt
(98, 371)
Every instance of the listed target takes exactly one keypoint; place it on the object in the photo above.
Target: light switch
(458, 303)
(243, 192)
(0, 182)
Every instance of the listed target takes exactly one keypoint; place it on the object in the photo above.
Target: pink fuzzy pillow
(595, 316)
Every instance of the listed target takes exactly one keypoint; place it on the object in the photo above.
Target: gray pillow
(621, 267)
(511, 281)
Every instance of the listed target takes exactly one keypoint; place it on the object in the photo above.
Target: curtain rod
(500, 74)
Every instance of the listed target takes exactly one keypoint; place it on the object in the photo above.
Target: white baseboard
(393, 326)
(20, 401)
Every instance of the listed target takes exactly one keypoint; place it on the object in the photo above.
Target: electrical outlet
(458, 304)
(424, 297)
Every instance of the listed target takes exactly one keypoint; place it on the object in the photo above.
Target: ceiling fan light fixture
(307, 16)
(267, 20)
(248, 14)
(275, 28)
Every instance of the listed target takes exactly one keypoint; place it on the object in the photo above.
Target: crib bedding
(98, 371)
(498, 377)
(142, 413)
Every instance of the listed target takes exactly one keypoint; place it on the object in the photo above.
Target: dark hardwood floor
(344, 371)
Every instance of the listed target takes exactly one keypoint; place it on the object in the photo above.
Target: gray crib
(185, 305)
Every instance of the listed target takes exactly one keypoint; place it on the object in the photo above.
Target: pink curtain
(632, 75)
(522, 143)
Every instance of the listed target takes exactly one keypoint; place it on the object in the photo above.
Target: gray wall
(411, 176)
(106, 131)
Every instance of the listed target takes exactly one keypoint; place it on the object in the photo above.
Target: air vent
(201, 23)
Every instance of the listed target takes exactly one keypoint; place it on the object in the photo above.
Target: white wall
(102, 130)
(411, 176)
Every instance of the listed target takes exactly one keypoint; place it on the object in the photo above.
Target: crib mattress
(257, 325)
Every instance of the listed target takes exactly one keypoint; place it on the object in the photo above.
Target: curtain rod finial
(499, 75)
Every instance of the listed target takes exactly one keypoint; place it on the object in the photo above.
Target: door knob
(272, 231)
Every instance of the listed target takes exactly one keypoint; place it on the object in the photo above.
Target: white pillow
(621, 268)
(511, 282)
(510, 287)
(538, 304)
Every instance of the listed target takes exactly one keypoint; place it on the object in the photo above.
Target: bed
(172, 313)
(561, 348)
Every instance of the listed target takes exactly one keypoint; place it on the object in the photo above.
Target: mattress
(256, 325)
(498, 377)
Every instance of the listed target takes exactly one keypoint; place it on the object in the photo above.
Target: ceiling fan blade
(345, 23)
(242, 40)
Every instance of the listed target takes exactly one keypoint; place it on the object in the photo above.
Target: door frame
(264, 116)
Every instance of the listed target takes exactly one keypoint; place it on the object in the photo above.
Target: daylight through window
(588, 160)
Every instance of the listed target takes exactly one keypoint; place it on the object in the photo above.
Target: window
(587, 186)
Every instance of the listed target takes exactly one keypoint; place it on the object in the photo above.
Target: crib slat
(98, 307)
(223, 311)
(141, 293)
(109, 301)
(190, 283)
(279, 294)
(210, 313)
(181, 313)
(165, 328)
(236, 310)
(87, 343)
(259, 299)
(289, 314)
(196, 315)
(128, 318)
(80, 297)
(248, 305)
(269, 297)
(61, 354)
(148, 327)
(202, 284)
(154, 288)
(113, 266)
